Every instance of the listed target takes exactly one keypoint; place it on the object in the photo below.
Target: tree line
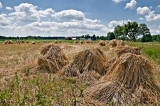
(134, 32)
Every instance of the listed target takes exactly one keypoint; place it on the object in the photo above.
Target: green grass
(150, 50)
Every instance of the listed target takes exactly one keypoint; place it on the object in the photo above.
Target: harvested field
(21, 86)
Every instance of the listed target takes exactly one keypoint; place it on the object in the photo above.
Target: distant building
(74, 38)
(82, 39)
(89, 39)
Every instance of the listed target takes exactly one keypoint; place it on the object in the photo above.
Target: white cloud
(141, 18)
(73, 28)
(70, 15)
(158, 6)
(155, 31)
(47, 12)
(26, 13)
(4, 21)
(0, 5)
(27, 19)
(9, 8)
(152, 16)
(143, 10)
(131, 5)
(117, 1)
(113, 24)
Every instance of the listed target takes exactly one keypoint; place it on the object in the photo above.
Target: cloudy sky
(74, 17)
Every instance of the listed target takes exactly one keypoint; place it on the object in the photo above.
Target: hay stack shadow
(129, 80)
(87, 65)
(52, 59)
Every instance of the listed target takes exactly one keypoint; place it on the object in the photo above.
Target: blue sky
(74, 17)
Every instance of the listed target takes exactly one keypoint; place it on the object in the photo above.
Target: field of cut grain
(19, 87)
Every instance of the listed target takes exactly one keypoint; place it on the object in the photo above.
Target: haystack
(19, 41)
(60, 41)
(52, 59)
(81, 42)
(33, 42)
(8, 42)
(112, 43)
(85, 62)
(128, 81)
(120, 42)
(87, 41)
(102, 43)
(55, 42)
(127, 49)
(75, 42)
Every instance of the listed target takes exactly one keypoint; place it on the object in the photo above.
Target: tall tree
(144, 30)
(118, 31)
(110, 36)
(94, 37)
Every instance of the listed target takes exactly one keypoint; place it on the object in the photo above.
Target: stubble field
(18, 86)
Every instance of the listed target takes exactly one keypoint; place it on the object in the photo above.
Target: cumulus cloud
(131, 5)
(148, 14)
(9, 8)
(113, 24)
(117, 1)
(46, 13)
(143, 10)
(0, 5)
(31, 20)
(70, 15)
(152, 16)
(4, 20)
(26, 13)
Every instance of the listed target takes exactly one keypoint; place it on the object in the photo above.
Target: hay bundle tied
(87, 41)
(52, 59)
(8, 42)
(81, 42)
(112, 43)
(102, 43)
(33, 42)
(127, 49)
(75, 42)
(128, 81)
(120, 43)
(55, 42)
(85, 62)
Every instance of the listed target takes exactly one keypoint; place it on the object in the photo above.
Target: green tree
(110, 36)
(130, 29)
(118, 31)
(94, 37)
(87, 36)
(144, 30)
